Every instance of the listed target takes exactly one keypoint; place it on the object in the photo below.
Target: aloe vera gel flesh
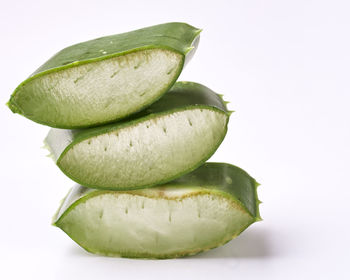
(106, 79)
(199, 211)
(172, 137)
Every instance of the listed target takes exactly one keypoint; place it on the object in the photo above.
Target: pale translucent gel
(148, 152)
(134, 224)
(105, 90)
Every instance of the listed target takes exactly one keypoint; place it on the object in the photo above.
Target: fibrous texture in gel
(101, 91)
(151, 151)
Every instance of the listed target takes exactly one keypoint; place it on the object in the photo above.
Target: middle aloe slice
(173, 136)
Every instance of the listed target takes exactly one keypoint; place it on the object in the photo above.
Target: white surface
(284, 65)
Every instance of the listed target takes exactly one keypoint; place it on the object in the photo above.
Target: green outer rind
(133, 41)
(221, 189)
(155, 110)
(213, 176)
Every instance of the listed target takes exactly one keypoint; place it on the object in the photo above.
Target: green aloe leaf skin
(106, 79)
(173, 136)
(197, 212)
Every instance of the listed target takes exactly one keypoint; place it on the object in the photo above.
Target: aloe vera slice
(173, 136)
(199, 211)
(106, 79)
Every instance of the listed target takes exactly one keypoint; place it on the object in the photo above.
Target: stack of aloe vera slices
(136, 142)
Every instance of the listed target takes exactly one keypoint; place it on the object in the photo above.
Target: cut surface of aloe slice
(199, 211)
(106, 79)
(173, 136)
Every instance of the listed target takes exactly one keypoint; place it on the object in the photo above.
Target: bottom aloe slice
(199, 211)
(173, 136)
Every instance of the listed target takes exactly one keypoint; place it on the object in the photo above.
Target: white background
(284, 65)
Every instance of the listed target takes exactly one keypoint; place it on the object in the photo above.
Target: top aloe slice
(106, 79)
(173, 136)
(199, 211)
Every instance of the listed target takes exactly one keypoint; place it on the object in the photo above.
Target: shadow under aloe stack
(136, 142)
